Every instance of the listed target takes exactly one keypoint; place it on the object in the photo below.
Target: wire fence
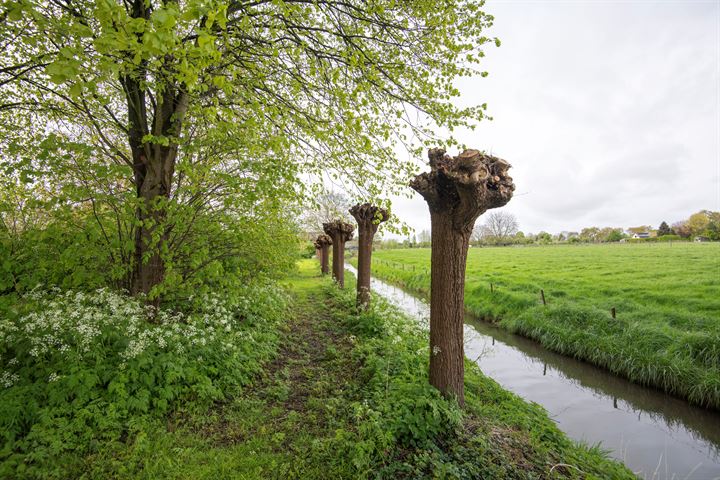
(403, 266)
(426, 271)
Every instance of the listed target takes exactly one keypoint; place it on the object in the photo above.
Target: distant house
(700, 238)
(641, 235)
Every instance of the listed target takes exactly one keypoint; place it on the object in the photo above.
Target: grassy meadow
(667, 299)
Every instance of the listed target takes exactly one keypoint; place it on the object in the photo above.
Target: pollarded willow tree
(340, 232)
(457, 190)
(322, 244)
(152, 112)
(368, 218)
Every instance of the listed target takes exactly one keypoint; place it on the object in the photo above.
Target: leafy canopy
(317, 84)
(222, 113)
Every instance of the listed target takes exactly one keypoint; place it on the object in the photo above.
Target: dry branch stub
(340, 232)
(368, 218)
(322, 244)
(457, 191)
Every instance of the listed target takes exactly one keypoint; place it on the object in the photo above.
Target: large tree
(154, 108)
(457, 191)
(497, 228)
(664, 229)
(325, 207)
(698, 222)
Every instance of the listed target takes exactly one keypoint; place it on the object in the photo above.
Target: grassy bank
(313, 390)
(667, 300)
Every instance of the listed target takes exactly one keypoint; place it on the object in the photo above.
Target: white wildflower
(8, 379)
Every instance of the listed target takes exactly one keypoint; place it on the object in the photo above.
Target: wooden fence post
(542, 295)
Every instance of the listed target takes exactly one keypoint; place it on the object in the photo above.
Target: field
(667, 301)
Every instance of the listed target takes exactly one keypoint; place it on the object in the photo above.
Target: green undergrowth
(314, 391)
(422, 435)
(84, 375)
(666, 332)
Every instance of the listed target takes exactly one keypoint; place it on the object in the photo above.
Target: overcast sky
(609, 112)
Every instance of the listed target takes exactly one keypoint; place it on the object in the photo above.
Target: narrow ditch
(656, 435)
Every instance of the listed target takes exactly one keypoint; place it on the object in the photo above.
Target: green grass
(667, 299)
(347, 397)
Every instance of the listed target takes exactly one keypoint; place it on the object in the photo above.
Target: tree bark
(153, 170)
(447, 306)
(149, 268)
(338, 264)
(340, 232)
(325, 260)
(368, 218)
(323, 243)
(457, 191)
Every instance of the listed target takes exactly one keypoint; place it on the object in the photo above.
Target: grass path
(273, 429)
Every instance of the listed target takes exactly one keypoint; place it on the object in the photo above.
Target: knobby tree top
(322, 241)
(369, 215)
(340, 230)
(464, 186)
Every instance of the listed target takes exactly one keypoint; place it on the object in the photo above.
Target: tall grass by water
(666, 330)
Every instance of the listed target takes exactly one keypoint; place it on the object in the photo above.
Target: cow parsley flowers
(67, 327)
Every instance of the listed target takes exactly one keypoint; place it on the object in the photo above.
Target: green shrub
(399, 408)
(54, 256)
(71, 245)
(307, 249)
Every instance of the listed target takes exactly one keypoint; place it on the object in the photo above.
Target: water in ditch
(655, 435)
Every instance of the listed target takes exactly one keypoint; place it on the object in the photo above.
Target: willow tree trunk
(368, 218)
(447, 306)
(325, 260)
(364, 266)
(340, 232)
(322, 244)
(457, 191)
(338, 263)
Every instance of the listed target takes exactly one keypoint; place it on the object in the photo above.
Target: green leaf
(76, 90)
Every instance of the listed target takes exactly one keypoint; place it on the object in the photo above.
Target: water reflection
(656, 435)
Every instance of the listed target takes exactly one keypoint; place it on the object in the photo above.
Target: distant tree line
(502, 228)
